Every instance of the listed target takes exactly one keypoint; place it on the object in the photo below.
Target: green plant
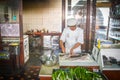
(78, 73)
(60, 74)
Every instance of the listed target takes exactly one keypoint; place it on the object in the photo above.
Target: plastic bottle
(99, 45)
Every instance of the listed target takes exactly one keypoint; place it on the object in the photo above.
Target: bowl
(49, 63)
(43, 58)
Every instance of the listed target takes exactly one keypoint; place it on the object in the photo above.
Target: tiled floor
(34, 58)
(30, 71)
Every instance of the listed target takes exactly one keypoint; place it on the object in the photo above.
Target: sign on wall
(10, 30)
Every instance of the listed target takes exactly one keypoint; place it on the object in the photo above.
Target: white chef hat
(71, 22)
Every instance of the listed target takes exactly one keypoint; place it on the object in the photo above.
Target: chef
(72, 37)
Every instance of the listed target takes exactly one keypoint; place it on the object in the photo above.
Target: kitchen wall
(42, 14)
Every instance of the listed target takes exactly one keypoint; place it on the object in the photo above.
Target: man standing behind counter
(72, 37)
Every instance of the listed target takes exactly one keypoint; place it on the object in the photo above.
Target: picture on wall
(11, 30)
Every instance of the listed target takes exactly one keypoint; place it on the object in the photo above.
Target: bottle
(99, 43)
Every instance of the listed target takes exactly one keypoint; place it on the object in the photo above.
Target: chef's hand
(71, 52)
(63, 50)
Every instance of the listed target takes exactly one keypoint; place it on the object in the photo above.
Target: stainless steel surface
(49, 63)
(49, 60)
(43, 58)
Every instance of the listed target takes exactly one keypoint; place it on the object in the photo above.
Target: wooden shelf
(42, 34)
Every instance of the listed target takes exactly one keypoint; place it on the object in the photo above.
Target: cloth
(70, 38)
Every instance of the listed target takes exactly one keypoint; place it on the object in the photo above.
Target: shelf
(42, 34)
(111, 68)
(115, 27)
(114, 37)
(115, 16)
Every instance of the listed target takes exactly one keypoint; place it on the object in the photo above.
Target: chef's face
(73, 27)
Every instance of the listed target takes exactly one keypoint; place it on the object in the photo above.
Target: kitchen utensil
(49, 63)
(49, 60)
(43, 58)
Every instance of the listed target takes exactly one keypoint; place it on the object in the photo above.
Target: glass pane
(9, 11)
(102, 16)
(77, 9)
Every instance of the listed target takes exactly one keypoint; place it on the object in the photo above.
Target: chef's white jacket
(70, 38)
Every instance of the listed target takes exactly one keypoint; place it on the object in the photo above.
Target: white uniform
(71, 38)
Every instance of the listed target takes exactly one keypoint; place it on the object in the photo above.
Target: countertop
(84, 60)
(47, 71)
(114, 53)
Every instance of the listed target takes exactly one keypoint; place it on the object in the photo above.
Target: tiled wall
(42, 14)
